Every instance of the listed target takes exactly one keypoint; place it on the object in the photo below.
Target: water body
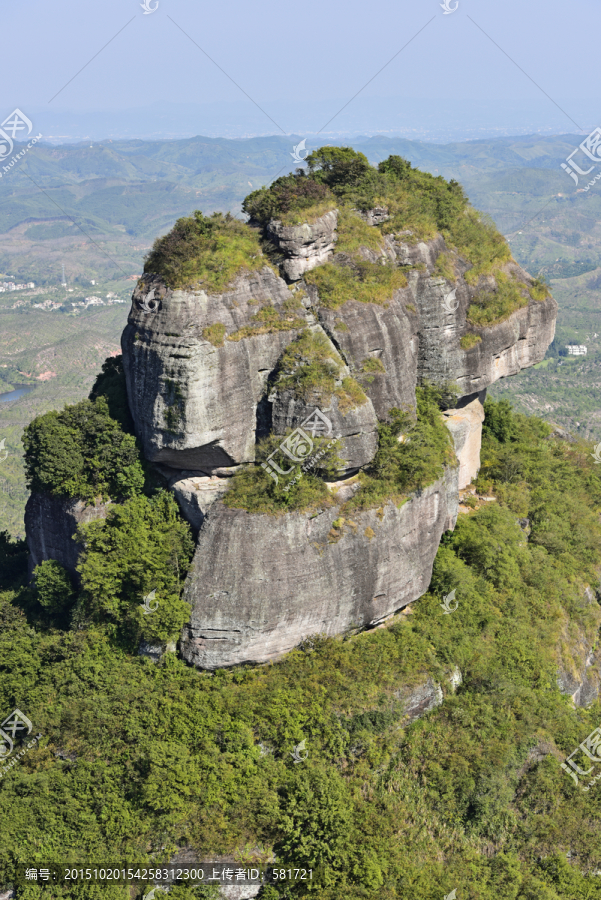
(19, 391)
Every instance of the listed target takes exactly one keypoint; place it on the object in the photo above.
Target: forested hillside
(138, 759)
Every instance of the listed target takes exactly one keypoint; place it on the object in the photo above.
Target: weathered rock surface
(194, 404)
(356, 428)
(260, 584)
(304, 246)
(421, 699)
(50, 524)
(579, 674)
(465, 425)
(364, 331)
(195, 493)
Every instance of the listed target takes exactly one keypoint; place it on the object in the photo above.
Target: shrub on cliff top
(205, 252)
(82, 452)
(419, 204)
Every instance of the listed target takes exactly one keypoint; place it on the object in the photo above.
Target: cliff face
(51, 523)
(260, 584)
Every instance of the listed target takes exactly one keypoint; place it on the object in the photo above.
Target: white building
(576, 350)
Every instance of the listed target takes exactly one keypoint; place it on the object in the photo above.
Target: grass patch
(363, 281)
(469, 340)
(205, 253)
(311, 365)
(215, 334)
(399, 468)
(309, 214)
(491, 307)
(476, 238)
(539, 290)
(354, 232)
(445, 267)
(292, 489)
(373, 365)
(267, 320)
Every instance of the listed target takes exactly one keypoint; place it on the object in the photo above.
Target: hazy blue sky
(293, 55)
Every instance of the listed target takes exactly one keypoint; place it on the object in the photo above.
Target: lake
(19, 391)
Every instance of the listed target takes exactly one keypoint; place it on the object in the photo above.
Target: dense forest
(139, 759)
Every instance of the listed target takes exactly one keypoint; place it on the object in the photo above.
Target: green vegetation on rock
(413, 462)
(256, 489)
(360, 280)
(215, 334)
(292, 199)
(469, 340)
(138, 760)
(205, 253)
(82, 452)
(311, 365)
(491, 307)
(269, 319)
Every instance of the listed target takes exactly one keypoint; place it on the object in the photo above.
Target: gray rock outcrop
(193, 401)
(260, 584)
(465, 425)
(304, 246)
(50, 525)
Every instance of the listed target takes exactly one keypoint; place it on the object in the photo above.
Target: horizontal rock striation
(465, 425)
(194, 402)
(50, 525)
(260, 584)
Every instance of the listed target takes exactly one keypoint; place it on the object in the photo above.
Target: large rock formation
(204, 381)
(290, 354)
(260, 584)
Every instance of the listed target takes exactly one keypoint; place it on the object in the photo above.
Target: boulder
(304, 246)
(465, 425)
(260, 584)
(50, 525)
(195, 493)
(194, 399)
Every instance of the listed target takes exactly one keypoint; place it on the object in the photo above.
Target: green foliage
(311, 366)
(477, 239)
(139, 759)
(418, 459)
(215, 334)
(445, 267)
(143, 545)
(373, 365)
(361, 280)
(205, 253)
(539, 289)
(292, 199)
(354, 233)
(491, 307)
(268, 320)
(54, 588)
(82, 452)
(469, 340)
(257, 490)
(110, 384)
